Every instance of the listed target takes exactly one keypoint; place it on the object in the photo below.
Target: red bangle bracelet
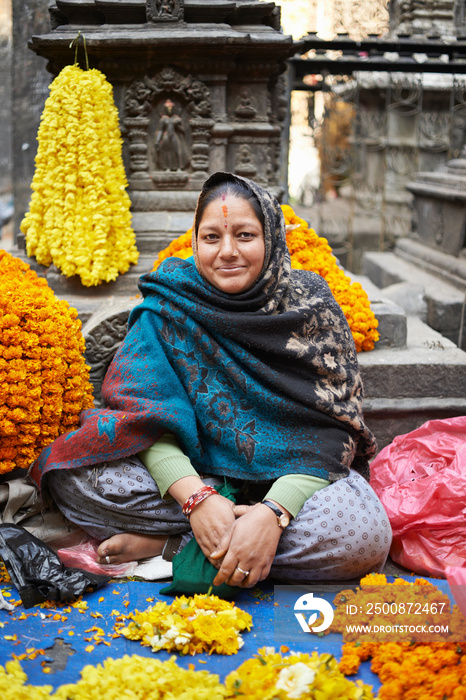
(196, 498)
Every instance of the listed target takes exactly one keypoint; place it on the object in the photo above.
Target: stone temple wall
(30, 81)
(5, 96)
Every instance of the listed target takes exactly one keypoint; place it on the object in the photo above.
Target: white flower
(295, 680)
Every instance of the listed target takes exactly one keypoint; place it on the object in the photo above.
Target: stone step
(444, 302)
(405, 387)
(391, 316)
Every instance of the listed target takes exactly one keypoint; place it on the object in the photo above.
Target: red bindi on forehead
(225, 213)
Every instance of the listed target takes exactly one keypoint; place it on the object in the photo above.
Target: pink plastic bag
(84, 556)
(457, 580)
(421, 480)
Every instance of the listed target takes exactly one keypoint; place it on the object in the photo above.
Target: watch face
(284, 520)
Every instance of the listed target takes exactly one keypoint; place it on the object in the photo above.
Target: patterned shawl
(254, 385)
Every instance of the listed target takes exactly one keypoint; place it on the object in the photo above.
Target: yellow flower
(308, 251)
(189, 625)
(270, 675)
(44, 380)
(131, 676)
(79, 216)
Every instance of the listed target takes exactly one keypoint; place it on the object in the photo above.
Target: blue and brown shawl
(254, 385)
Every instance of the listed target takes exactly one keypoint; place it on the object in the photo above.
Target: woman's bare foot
(129, 546)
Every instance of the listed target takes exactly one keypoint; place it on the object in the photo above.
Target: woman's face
(230, 244)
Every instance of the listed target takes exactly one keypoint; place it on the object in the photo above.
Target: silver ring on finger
(107, 559)
(245, 573)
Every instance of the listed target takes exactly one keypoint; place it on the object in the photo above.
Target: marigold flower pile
(308, 676)
(44, 381)
(265, 677)
(134, 677)
(202, 623)
(309, 251)
(410, 670)
(79, 216)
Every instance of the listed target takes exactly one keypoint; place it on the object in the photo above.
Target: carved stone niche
(103, 334)
(165, 10)
(168, 126)
(426, 17)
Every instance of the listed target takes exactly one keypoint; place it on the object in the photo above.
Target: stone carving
(372, 125)
(438, 225)
(280, 100)
(170, 141)
(435, 127)
(402, 160)
(245, 164)
(168, 124)
(361, 17)
(245, 108)
(405, 95)
(423, 16)
(103, 334)
(164, 10)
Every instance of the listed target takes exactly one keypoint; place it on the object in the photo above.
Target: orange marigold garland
(44, 381)
(309, 251)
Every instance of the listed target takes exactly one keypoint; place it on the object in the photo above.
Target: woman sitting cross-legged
(235, 369)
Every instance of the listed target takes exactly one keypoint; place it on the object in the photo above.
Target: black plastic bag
(38, 573)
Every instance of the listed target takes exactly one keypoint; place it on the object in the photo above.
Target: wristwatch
(282, 518)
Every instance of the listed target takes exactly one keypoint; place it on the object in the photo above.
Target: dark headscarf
(254, 385)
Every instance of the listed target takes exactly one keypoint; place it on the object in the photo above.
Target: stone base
(444, 300)
(405, 387)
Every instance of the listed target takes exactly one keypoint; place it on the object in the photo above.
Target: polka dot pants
(342, 531)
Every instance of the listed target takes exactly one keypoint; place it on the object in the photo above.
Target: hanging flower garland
(44, 381)
(309, 251)
(202, 623)
(79, 216)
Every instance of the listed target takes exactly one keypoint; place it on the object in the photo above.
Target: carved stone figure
(245, 162)
(245, 109)
(170, 143)
(164, 10)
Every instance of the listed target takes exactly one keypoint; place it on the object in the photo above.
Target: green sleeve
(166, 463)
(293, 490)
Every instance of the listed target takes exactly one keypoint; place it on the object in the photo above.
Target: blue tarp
(36, 628)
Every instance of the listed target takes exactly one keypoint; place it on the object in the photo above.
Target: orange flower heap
(44, 381)
(409, 670)
(309, 251)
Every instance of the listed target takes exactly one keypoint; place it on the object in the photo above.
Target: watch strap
(282, 518)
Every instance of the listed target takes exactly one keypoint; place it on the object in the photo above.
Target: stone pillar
(5, 96)
(200, 87)
(30, 82)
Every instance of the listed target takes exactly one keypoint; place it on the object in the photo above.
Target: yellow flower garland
(44, 381)
(308, 251)
(202, 623)
(79, 217)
